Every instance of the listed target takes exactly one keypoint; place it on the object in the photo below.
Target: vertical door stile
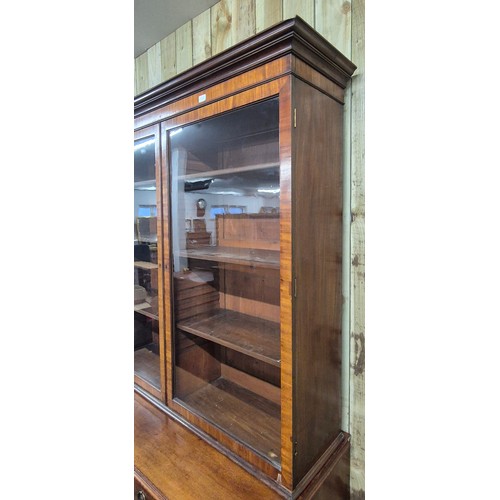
(148, 335)
(167, 318)
(286, 283)
(160, 251)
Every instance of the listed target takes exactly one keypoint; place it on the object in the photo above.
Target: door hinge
(295, 287)
(295, 451)
(294, 117)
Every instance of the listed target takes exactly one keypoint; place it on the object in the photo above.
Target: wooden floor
(184, 467)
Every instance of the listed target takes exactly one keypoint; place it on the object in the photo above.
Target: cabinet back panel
(251, 366)
(249, 231)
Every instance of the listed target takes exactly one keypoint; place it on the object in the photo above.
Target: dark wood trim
(337, 466)
(291, 36)
(323, 466)
(317, 258)
(320, 89)
(309, 75)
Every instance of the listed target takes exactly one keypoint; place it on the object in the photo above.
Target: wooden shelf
(148, 239)
(145, 183)
(250, 418)
(233, 255)
(147, 310)
(255, 337)
(228, 171)
(147, 366)
(145, 265)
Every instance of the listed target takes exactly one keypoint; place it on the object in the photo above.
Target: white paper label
(202, 98)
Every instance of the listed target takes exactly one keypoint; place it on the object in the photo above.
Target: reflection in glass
(225, 199)
(146, 339)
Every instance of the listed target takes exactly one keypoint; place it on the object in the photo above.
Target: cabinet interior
(226, 278)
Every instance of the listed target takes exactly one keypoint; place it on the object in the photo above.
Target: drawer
(139, 493)
(144, 490)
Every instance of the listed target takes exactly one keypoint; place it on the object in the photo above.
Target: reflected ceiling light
(143, 144)
(269, 191)
(175, 132)
(222, 192)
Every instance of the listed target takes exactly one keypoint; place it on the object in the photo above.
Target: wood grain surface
(242, 413)
(357, 361)
(184, 47)
(302, 8)
(232, 255)
(154, 64)
(166, 282)
(168, 58)
(317, 265)
(233, 84)
(286, 317)
(332, 19)
(267, 13)
(255, 337)
(202, 37)
(184, 467)
(230, 21)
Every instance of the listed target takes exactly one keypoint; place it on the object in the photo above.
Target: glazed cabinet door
(148, 327)
(225, 215)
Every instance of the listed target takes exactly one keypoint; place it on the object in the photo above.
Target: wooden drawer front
(144, 491)
(139, 493)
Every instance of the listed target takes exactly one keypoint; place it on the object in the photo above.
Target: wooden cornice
(293, 36)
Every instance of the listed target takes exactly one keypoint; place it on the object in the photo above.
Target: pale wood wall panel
(168, 58)
(184, 47)
(243, 25)
(333, 21)
(141, 73)
(357, 386)
(302, 8)
(346, 260)
(154, 65)
(267, 13)
(202, 37)
(222, 18)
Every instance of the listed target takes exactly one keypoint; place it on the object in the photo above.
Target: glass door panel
(225, 199)
(146, 326)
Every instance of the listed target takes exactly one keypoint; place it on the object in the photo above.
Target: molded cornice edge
(293, 36)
